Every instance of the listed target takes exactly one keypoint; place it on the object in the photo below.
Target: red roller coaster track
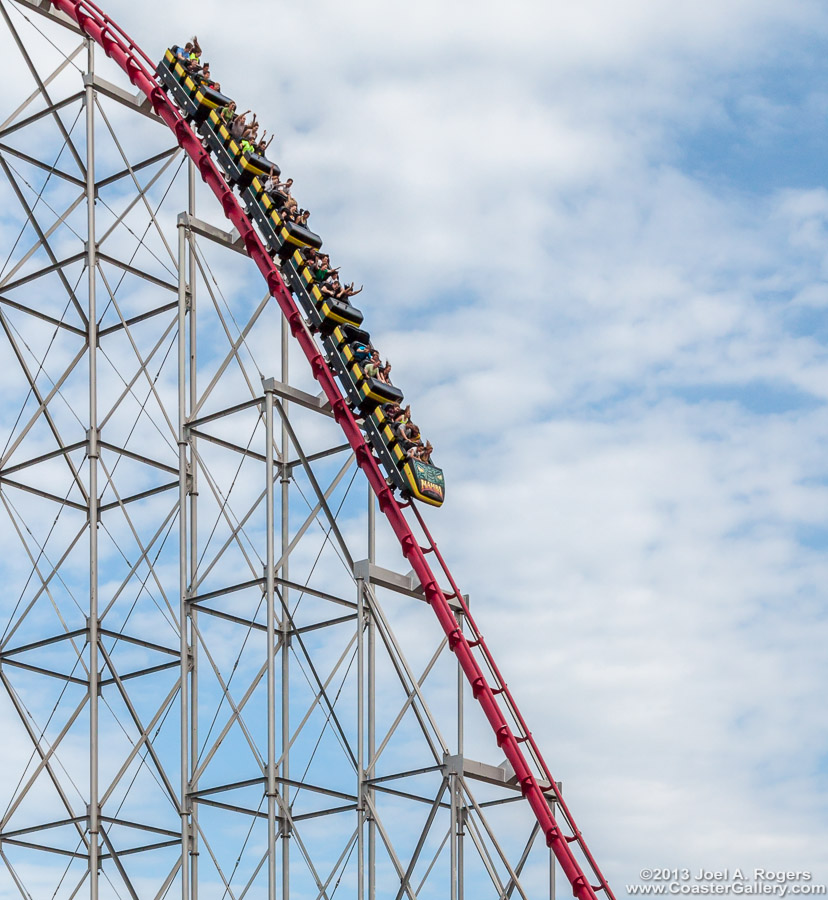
(475, 659)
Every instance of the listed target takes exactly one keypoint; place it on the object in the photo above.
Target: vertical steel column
(453, 836)
(270, 591)
(372, 694)
(455, 839)
(92, 339)
(360, 586)
(284, 573)
(182, 561)
(552, 858)
(193, 608)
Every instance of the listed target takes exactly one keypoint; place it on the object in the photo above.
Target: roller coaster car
(264, 211)
(336, 320)
(325, 313)
(179, 83)
(372, 392)
(218, 138)
(214, 127)
(253, 165)
(208, 99)
(425, 482)
(347, 334)
(295, 236)
(413, 477)
(343, 334)
(363, 391)
(281, 235)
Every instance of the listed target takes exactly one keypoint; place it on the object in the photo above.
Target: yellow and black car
(337, 321)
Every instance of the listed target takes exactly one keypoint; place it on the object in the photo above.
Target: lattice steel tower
(213, 688)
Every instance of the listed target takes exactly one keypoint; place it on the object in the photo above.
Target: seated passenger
(330, 287)
(228, 113)
(193, 63)
(321, 269)
(206, 80)
(408, 433)
(238, 126)
(284, 192)
(272, 185)
(396, 414)
(291, 209)
(246, 146)
(348, 291)
(374, 368)
(424, 454)
(361, 351)
(302, 218)
(262, 145)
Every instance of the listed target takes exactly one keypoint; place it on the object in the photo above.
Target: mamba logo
(426, 485)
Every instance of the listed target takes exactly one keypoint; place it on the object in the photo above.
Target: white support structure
(220, 690)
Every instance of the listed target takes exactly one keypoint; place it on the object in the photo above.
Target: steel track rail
(139, 68)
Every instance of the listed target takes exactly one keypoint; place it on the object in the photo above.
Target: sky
(593, 242)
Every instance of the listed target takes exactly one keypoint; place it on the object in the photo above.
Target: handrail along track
(139, 68)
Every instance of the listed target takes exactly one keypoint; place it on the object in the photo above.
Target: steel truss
(213, 688)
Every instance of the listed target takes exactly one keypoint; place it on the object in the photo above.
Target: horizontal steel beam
(228, 445)
(62, 501)
(45, 8)
(39, 670)
(138, 457)
(46, 270)
(315, 402)
(322, 454)
(128, 323)
(502, 775)
(49, 110)
(139, 673)
(145, 849)
(230, 589)
(228, 411)
(168, 832)
(140, 642)
(230, 239)
(136, 102)
(409, 774)
(408, 585)
(40, 315)
(142, 496)
(44, 826)
(62, 451)
(39, 164)
(229, 617)
(75, 854)
(80, 632)
(132, 270)
(136, 168)
(232, 786)
(326, 624)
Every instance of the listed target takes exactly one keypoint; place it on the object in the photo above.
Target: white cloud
(604, 354)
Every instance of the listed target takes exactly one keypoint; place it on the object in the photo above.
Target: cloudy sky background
(593, 243)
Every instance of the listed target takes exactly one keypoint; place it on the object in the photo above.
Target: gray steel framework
(256, 709)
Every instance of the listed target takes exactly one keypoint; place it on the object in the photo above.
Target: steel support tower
(220, 678)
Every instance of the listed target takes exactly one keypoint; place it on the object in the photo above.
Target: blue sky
(615, 219)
